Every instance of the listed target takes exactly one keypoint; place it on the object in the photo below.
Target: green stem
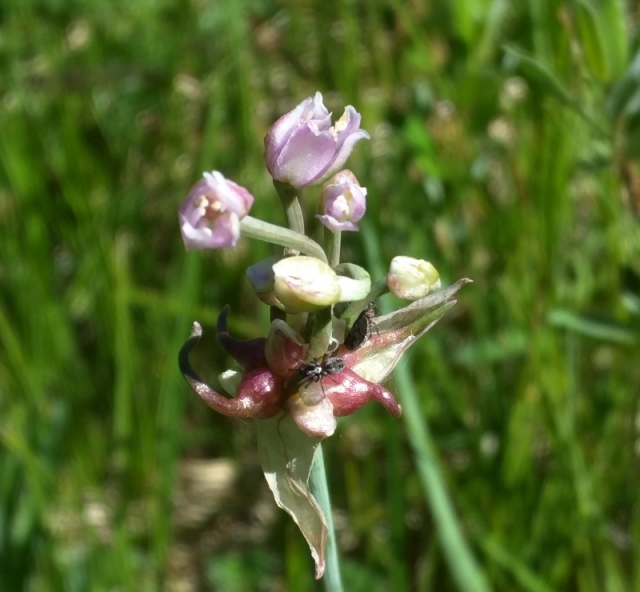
(320, 490)
(278, 235)
(320, 333)
(462, 564)
(332, 243)
(291, 205)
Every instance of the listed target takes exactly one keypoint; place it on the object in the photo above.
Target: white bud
(411, 278)
(305, 284)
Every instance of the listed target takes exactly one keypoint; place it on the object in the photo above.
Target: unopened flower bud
(303, 148)
(263, 280)
(411, 278)
(210, 216)
(304, 284)
(343, 202)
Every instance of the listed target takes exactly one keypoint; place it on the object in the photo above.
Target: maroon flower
(272, 381)
(277, 378)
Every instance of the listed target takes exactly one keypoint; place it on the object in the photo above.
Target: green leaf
(623, 98)
(591, 37)
(615, 35)
(604, 37)
(287, 456)
(536, 69)
(603, 331)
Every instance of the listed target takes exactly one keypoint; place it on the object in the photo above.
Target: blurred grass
(504, 148)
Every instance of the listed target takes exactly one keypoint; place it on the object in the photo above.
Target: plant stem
(462, 565)
(278, 235)
(331, 580)
(332, 244)
(291, 206)
(320, 333)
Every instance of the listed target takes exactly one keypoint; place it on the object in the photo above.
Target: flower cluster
(326, 353)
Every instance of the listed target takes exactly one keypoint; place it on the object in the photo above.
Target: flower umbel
(326, 353)
(210, 216)
(303, 148)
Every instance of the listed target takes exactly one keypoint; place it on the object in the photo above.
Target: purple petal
(281, 130)
(210, 216)
(344, 152)
(306, 156)
(343, 201)
(303, 148)
(225, 233)
(232, 197)
(335, 226)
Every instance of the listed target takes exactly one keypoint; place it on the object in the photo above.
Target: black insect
(314, 372)
(310, 372)
(360, 331)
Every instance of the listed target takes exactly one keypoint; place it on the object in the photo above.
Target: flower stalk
(320, 334)
(251, 227)
(333, 243)
(320, 490)
(290, 205)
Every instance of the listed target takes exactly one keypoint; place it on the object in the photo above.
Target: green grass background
(504, 148)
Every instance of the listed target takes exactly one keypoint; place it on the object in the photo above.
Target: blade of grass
(460, 560)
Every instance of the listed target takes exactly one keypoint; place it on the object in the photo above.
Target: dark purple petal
(260, 393)
(249, 353)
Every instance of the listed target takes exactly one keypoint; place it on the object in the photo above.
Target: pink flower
(210, 216)
(343, 202)
(303, 148)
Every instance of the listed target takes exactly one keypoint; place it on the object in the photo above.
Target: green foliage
(504, 148)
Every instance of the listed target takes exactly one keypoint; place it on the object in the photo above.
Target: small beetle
(360, 331)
